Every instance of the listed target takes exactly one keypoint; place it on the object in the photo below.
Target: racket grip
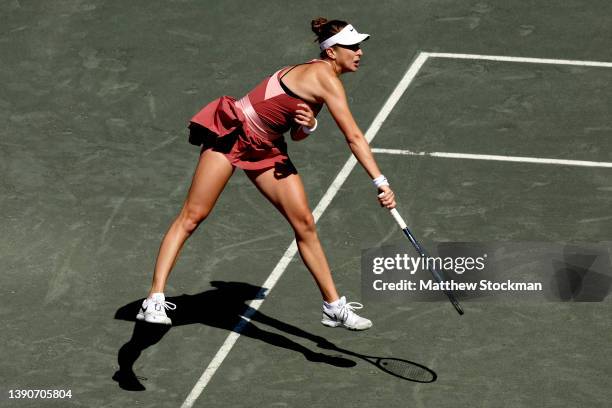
(396, 215)
(398, 218)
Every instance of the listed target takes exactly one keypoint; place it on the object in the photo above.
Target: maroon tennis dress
(250, 131)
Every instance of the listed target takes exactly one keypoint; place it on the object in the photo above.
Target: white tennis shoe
(153, 309)
(342, 314)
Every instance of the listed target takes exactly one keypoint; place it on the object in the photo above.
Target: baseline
(491, 157)
(503, 58)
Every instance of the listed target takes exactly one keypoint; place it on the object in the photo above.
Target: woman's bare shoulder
(321, 67)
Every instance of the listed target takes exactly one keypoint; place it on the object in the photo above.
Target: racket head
(406, 370)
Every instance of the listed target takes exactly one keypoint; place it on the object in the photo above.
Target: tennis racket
(438, 276)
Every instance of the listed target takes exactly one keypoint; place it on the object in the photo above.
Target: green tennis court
(491, 121)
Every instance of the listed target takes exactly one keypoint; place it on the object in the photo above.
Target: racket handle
(398, 218)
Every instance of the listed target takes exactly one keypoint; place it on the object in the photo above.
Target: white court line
(282, 264)
(536, 160)
(520, 59)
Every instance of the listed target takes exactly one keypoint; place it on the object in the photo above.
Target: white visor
(347, 36)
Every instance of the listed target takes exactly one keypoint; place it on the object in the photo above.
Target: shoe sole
(331, 323)
(142, 317)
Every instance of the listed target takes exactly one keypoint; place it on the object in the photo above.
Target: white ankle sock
(333, 304)
(157, 296)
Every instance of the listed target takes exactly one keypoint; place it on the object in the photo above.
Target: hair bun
(317, 25)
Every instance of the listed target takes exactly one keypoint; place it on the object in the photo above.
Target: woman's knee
(304, 224)
(192, 215)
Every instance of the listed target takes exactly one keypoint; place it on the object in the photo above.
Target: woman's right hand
(386, 197)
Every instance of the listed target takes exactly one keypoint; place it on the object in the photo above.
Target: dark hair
(325, 29)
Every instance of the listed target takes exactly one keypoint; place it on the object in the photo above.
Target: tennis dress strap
(285, 87)
(288, 71)
(309, 62)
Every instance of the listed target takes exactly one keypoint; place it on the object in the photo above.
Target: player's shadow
(222, 307)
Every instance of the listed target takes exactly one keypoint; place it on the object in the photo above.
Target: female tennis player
(248, 134)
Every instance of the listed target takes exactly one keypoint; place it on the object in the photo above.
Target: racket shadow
(397, 367)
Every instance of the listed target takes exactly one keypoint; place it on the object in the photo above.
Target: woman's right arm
(334, 96)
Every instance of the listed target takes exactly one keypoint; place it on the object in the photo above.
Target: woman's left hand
(305, 116)
(386, 197)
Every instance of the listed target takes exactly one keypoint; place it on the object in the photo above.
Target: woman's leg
(288, 196)
(211, 175)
